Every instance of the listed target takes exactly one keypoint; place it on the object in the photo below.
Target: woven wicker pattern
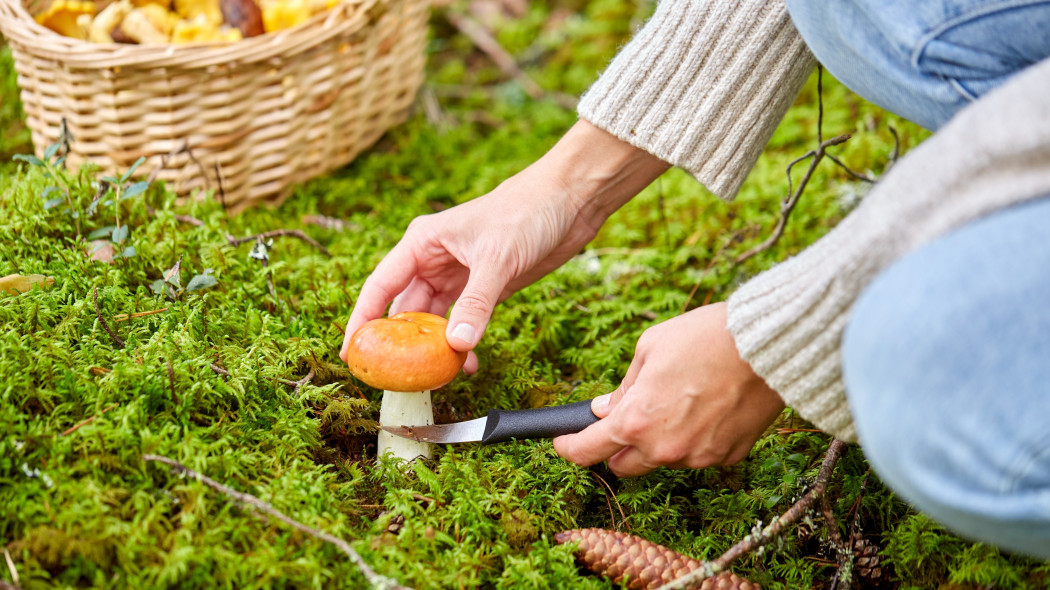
(264, 113)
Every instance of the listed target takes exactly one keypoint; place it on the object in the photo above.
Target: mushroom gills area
(405, 408)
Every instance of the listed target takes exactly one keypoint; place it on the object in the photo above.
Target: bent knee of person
(944, 366)
(938, 461)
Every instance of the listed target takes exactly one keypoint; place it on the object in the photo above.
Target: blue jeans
(946, 357)
(946, 360)
(924, 60)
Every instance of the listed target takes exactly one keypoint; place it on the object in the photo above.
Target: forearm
(703, 85)
(598, 172)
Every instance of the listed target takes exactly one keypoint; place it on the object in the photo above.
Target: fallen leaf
(101, 250)
(15, 284)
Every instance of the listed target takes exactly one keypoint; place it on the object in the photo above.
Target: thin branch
(183, 218)
(859, 176)
(820, 103)
(788, 205)
(87, 421)
(298, 384)
(432, 109)
(612, 494)
(834, 530)
(276, 233)
(171, 383)
(896, 146)
(222, 185)
(770, 532)
(488, 44)
(484, 41)
(255, 504)
(123, 317)
(204, 317)
(190, 220)
(102, 320)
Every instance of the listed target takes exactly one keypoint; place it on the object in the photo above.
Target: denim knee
(924, 60)
(945, 364)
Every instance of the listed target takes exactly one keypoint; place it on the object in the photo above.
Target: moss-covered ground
(205, 379)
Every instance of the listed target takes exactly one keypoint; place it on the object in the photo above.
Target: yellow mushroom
(202, 30)
(148, 25)
(161, 18)
(63, 17)
(191, 9)
(107, 20)
(321, 5)
(279, 15)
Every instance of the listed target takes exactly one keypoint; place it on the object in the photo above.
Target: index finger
(387, 280)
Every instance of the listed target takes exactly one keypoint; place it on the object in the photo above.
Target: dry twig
(293, 233)
(488, 44)
(770, 532)
(896, 146)
(255, 504)
(123, 317)
(834, 531)
(789, 202)
(105, 325)
(298, 384)
(793, 194)
(87, 421)
(484, 40)
(612, 494)
(171, 383)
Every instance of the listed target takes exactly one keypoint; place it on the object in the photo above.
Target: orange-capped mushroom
(405, 352)
(405, 355)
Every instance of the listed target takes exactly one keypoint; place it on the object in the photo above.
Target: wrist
(598, 171)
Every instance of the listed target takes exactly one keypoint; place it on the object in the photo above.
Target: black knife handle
(504, 425)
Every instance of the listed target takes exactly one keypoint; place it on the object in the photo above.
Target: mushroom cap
(405, 352)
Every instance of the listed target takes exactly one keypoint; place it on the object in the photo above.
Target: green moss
(79, 507)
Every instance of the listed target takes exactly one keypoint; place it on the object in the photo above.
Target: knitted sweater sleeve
(703, 86)
(788, 322)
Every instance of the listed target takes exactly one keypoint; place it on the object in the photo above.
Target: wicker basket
(257, 116)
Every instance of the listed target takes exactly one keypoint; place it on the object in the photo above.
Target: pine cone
(643, 564)
(866, 561)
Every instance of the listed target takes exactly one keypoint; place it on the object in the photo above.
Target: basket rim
(346, 17)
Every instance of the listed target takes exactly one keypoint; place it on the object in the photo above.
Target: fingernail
(464, 332)
(601, 403)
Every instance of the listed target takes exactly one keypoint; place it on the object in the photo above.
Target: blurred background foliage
(207, 376)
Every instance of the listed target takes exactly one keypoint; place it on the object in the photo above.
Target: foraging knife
(504, 425)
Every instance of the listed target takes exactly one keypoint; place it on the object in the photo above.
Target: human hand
(687, 401)
(479, 253)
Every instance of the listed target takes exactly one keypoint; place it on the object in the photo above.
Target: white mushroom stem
(404, 408)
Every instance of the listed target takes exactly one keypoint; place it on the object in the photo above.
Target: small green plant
(171, 284)
(111, 192)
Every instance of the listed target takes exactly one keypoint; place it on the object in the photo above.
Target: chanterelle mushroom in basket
(405, 355)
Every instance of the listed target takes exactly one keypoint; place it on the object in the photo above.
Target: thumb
(470, 315)
(603, 405)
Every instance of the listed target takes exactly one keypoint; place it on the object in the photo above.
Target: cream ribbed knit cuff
(788, 322)
(703, 86)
